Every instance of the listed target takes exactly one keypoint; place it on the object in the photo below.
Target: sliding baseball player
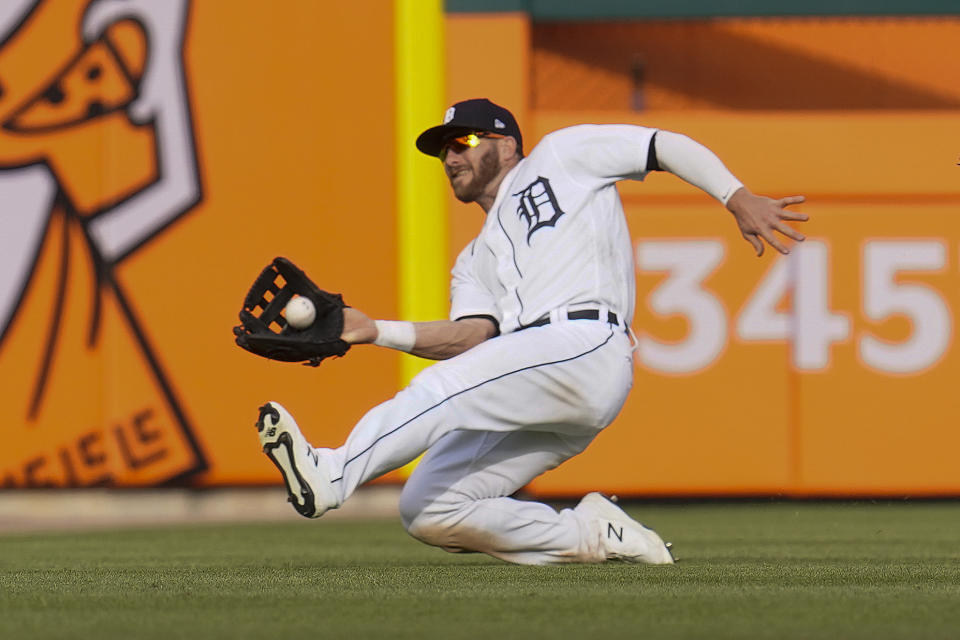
(536, 358)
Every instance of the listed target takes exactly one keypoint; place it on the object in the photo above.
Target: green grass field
(747, 570)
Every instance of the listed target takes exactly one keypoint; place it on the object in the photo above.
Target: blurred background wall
(138, 206)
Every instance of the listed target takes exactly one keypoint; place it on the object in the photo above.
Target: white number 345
(811, 327)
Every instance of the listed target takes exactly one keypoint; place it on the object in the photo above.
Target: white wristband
(398, 335)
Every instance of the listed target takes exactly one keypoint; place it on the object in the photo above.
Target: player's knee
(423, 520)
(412, 503)
(429, 529)
(430, 525)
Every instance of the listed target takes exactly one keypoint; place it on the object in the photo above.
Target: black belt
(583, 314)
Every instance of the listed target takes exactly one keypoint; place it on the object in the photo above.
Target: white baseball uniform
(555, 243)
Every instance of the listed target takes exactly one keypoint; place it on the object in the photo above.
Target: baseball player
(536, 358)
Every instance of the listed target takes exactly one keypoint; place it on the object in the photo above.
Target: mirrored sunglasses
(462, 143)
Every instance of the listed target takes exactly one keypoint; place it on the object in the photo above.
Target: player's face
(471, 169)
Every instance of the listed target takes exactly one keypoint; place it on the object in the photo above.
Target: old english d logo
(96, 159)
(538, 206)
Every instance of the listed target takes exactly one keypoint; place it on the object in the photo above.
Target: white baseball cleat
(304, 472)
(622, 537)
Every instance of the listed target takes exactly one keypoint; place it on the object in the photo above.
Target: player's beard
(483, 173)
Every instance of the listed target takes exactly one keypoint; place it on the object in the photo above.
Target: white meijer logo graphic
(114, 98)
(538, 206)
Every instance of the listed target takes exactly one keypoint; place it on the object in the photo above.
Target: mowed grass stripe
(757, 570)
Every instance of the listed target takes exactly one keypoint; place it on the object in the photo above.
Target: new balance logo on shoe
(611, 529)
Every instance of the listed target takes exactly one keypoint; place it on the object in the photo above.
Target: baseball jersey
(556, 236)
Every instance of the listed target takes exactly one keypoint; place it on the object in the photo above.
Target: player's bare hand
(358, 328)
(760, 219)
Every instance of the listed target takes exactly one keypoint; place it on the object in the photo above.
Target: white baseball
(300, 312)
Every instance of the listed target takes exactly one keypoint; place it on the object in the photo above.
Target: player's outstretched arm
(436, 340)
(759, 218)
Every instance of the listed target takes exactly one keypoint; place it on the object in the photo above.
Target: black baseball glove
(265, 331)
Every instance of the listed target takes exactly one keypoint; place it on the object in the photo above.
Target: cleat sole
(305, 502)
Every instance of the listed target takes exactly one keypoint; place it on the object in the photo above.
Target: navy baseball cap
(466, 117)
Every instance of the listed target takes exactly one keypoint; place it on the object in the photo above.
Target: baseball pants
(491, 419)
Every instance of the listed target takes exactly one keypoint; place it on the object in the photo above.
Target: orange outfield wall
(128, 244)
(117, 357)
